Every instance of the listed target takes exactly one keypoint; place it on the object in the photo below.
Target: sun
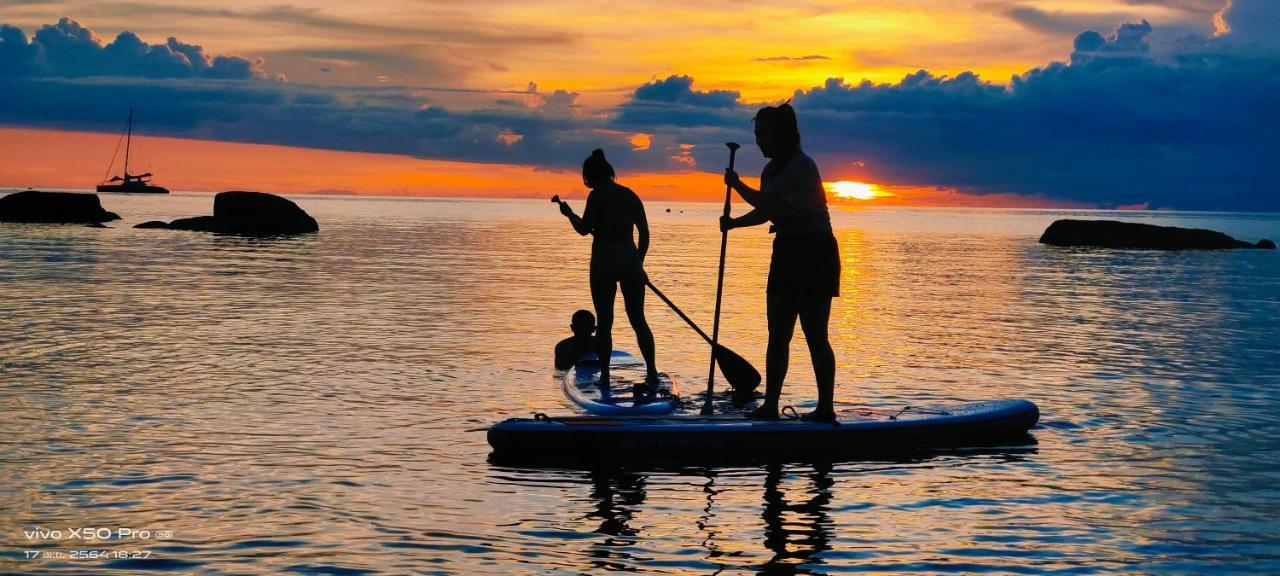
(855, 190)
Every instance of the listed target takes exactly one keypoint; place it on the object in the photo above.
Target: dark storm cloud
(1111, 127)
(387, 120)
(672, 101)
(65, 77)
(679, 90)
(1254, 22)
(1129, 40)
(69, 50)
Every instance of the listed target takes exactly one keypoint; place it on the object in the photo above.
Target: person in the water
(572, 349)
(804, 274)
(615, 217)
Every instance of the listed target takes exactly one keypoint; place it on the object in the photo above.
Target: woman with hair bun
(804, 274)
(613, 212)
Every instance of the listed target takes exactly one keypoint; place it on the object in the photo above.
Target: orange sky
(40, 159)
(604, 50)
(459, 56)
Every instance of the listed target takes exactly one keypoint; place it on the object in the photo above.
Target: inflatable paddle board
(707, 437)
(627, 393)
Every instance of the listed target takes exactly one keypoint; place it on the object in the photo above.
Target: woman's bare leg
(633, 300)
(782, 325)
(603, 292)
(815, 316)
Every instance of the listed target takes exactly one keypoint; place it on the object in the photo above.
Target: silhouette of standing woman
(612, 211)
(804, 274)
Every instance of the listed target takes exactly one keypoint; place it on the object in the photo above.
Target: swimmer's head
(583, 323)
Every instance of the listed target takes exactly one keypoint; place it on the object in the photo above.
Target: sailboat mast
(128, 141)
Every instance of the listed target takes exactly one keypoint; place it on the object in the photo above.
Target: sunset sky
(1110, 103)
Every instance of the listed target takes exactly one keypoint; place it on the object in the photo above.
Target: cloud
(1110, 127)
(1129, 40)
(65, 77)
(1194, 6)
(791, 58)
(679, 90)
(1250, 21)
(69, 50)
(1062, 22)
(672, 101)
(358, 65)
(1115, 124)
(454, 27)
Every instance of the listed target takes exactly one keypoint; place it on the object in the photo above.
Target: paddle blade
(739, 373)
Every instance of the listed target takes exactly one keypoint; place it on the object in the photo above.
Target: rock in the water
(196, 224)
(96, 225)
(54, 207)
(1266, 244)
(258, 213)
(1112, 234)
(246, 214)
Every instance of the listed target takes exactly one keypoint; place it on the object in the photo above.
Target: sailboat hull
(133, 188)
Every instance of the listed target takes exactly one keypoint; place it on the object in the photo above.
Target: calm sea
(316, 405)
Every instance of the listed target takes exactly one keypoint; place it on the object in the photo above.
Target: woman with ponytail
(613, 211)
(805, 272)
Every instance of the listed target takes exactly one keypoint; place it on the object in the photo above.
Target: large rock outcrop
(1112, 234)
(246, 214)
(54, 208)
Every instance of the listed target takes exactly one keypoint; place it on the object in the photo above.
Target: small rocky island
(1113, 234)
(246, 214)
(35, 206)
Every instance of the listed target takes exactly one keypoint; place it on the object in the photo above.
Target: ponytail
(596, 168)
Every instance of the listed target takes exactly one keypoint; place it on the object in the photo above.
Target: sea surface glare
(317, 404)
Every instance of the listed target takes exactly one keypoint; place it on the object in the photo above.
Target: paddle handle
(715, 325)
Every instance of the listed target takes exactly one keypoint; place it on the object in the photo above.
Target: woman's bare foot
(764, 412)
(819, 415)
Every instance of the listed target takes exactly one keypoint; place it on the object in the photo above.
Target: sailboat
(129, 183)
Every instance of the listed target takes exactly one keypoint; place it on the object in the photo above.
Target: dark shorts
(805, 266)
(616, 263)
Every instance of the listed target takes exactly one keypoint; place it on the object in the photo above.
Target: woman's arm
(642, 229)
(753, 218)
(582, 225)
(752, 196)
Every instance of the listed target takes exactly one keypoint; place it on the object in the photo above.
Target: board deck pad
(627, 392)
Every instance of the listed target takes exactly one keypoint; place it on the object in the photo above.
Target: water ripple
(315, 405)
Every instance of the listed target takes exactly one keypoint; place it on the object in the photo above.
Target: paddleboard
(708, 437)
(627, 393)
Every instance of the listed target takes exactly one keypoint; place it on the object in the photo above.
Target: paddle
(715, 327)
(740, 374)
